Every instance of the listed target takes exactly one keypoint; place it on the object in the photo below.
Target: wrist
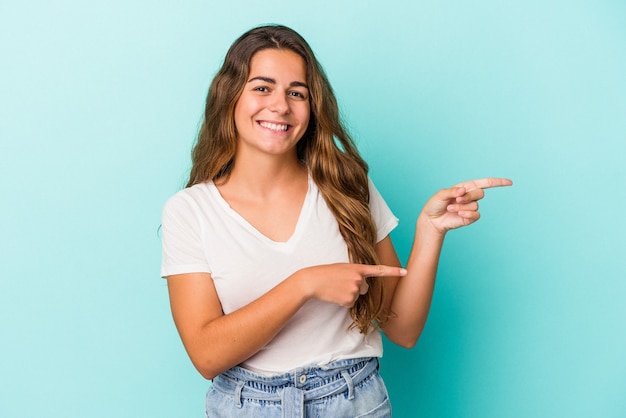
(301, 284)
(426, 231)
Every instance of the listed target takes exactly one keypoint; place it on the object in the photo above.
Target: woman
(280, 269)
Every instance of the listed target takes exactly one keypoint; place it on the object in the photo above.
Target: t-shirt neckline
(302, 217)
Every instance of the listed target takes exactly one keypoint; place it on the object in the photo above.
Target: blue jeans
(346, 388)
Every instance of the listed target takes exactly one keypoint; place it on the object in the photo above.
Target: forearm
(413, 294)
(230, 339)
(215, 342)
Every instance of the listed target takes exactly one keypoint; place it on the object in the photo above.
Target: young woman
(280, 269)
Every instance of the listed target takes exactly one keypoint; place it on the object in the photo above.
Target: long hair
(325, 148)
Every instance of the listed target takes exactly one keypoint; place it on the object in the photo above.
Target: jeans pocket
(381, 411)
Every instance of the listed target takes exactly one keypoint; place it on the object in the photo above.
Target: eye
(261, 89)
(297, 94)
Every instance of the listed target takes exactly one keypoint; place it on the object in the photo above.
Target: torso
(202, 233)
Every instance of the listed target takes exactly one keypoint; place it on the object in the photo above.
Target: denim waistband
(293, 388)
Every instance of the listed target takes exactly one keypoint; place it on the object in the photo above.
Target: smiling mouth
(276, 127)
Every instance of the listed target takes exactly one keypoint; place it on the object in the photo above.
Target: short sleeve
(381, 214)
(182, 248)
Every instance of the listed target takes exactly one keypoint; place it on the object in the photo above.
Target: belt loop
(238, 391)
(348, 379)
(292, 402)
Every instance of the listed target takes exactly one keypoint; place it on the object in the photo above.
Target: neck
(265, 174)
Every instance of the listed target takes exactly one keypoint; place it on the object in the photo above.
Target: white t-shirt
(202, 233)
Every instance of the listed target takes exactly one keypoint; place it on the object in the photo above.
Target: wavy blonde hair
(325, 148)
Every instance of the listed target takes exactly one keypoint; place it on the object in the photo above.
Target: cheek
(237, 112)
(243, 113)
(305, 115)
(246, 106)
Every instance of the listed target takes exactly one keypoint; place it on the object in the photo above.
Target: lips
(276, 127)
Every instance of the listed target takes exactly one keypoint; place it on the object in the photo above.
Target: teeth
(274, 126)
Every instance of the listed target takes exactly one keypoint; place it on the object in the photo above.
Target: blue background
(100, 102)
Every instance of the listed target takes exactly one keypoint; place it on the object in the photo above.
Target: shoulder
(382, 215)
(189, 200)
(374, 193)
(197, 193)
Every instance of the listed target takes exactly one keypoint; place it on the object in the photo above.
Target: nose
(279, 104)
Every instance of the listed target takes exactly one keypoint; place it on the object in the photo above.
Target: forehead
(278, 62)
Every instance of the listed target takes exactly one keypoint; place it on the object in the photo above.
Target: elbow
(404, 340)
(205, 370)
(209, 359)
(407, 343)
(206, 367)
(405, 334)
(207, 374)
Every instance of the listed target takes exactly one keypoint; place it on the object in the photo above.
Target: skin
(267, 187)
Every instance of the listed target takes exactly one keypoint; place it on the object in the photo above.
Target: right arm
(216, 342)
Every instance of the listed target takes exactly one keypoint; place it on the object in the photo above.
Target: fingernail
(403, 272)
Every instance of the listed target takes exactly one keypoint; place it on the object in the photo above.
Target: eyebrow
(272, 81)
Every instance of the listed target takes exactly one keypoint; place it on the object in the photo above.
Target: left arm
(409, 298)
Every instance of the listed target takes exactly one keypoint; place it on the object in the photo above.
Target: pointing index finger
(383, 271)
(485, 183)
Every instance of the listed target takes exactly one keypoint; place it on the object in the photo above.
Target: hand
(458, 206)
(343, 283)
